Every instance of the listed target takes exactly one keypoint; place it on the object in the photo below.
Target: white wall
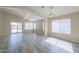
(6, 22)
(0, 22)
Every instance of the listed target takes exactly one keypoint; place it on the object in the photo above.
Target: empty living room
(39, 29)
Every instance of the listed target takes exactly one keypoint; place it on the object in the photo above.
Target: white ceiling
(37, 12)
(57, 10)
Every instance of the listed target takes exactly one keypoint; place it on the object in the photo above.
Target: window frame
(17, 29)
(63, 23)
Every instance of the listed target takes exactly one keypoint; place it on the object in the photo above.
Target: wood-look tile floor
(33, 43)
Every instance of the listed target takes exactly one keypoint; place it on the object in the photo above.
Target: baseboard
(4, 34)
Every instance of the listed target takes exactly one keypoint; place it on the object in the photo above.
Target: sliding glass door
(16, 27)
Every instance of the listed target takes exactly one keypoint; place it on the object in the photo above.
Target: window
(19, 27)
(43, 25)
(28, 26)
(55, 26)
(61, 26)
(65, 26)
(34, 26)
(13, 27)
(16, 27)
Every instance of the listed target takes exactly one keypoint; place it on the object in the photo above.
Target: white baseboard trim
(4, 34)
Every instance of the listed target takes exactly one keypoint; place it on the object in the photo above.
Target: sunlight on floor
(65, 45)
(52, 41)
(61, 44)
